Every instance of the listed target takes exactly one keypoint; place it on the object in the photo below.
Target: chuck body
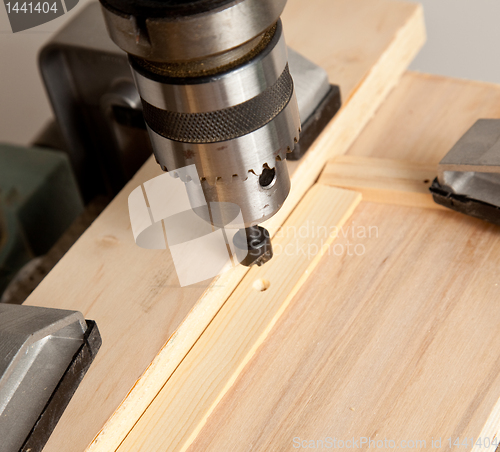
(216, 92)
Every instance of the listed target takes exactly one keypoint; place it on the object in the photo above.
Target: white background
(463, 41)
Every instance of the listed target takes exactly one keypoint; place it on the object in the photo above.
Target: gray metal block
(36, 347)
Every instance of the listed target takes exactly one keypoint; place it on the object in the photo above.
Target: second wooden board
(395, 335)
(424, 116)
(383, 180)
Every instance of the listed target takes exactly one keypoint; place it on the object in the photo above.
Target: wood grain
(400, 342)
(345, 33)
(148, 323)
(408, 128)
(180, 409)
(383, 180)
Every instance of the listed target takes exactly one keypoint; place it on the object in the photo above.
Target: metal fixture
(254, 245)
(469, 175)
(44, 354)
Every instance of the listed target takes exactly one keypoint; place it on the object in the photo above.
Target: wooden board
(180, 409)
(383, 180)
(406, 128)
(398, 340)
(148, 323)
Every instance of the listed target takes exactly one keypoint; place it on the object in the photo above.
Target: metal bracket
(44, 355)
(469, 175)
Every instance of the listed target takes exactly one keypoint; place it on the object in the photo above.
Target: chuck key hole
(267, 178)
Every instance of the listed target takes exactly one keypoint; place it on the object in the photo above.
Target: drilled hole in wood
(426, 181)
(261, 285)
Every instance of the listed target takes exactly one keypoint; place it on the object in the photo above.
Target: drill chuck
(217, 92)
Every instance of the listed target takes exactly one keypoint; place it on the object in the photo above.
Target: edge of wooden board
(385, 181)
(335, 140)
(490, 429)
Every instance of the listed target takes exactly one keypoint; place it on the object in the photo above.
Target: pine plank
(180, 409)
(383, 180)
(342, 28)
(400, 342)
(407, 128)
(148, 323)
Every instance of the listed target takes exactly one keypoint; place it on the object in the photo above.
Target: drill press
(216, 92)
